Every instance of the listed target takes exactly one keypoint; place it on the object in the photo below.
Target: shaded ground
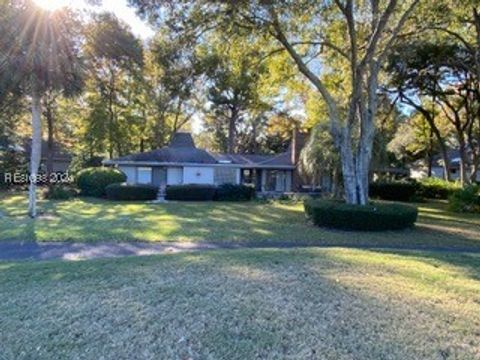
(245, 304)
(29, 250)
(94, 220)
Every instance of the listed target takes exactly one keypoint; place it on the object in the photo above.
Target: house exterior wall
(226, 175)
(175, 176)
(131, 172)
(198, 175)
(161, 175)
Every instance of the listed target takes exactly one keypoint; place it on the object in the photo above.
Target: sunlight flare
(52, 5)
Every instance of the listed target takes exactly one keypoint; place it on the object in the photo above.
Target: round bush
(93, 181)
(192, 192)
(371, 217)
(234, 192)
(394, 191)
(129, 192)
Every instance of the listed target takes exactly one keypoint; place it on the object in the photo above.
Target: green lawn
(86, 219)
(244, 304)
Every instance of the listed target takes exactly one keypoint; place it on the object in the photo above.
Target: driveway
(29, 250)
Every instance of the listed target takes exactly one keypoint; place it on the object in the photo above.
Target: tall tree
(415, 71)
(356, 36)
(115, 59)
(233, 74)
(40, 53)
(171, 75)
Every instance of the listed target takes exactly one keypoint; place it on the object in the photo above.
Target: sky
(127, 14)
(118, 7)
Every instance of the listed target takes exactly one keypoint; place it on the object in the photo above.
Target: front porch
(267, 180)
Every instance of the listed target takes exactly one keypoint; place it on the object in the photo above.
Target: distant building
(61, 156)
(420, 170)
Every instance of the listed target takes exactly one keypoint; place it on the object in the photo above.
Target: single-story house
(181, 162)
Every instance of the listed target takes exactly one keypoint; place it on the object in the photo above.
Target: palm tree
(40, 53)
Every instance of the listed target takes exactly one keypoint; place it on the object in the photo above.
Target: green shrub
(192, 192)
(123, 191)
(93, 181)
(434, 188)
(371, 217)
(59, 192)
(394, 191)
(234, 192)
(465, 200)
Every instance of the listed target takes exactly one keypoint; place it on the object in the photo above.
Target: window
(144, 175)
(275, 181)
(225, 175)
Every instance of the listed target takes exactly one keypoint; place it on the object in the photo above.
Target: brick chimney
(297, 144)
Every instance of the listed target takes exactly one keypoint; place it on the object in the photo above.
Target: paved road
(29, 250)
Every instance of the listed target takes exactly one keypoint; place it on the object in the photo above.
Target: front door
(160, 177)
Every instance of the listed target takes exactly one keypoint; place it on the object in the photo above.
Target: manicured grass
(88, 219)
(244, 304)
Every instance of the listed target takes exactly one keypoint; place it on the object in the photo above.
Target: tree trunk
(463, 160)
(474, 170)
(232, 122)
(36, 150)
(348, 169)
(49, 117)
(111, 112)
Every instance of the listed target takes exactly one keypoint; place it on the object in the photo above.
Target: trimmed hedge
(371, 217)
(192, 192)
(465, 200)
(129, 192)
(93, 181)
(233, 192)
(433, 188)
(394, 191)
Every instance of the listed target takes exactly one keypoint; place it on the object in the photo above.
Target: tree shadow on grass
(248, 304)
(252, 223)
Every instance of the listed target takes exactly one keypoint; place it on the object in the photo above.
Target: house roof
(182, 150)
(60, 153)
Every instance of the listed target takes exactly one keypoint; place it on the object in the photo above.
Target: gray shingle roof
(182, 140)
(60, 153)
(182, 150)
(172, 155)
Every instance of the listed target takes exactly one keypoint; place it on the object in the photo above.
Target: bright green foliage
(93, 181)
(433, 188)
(115, 60)
(253, 222)
(233, 76)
